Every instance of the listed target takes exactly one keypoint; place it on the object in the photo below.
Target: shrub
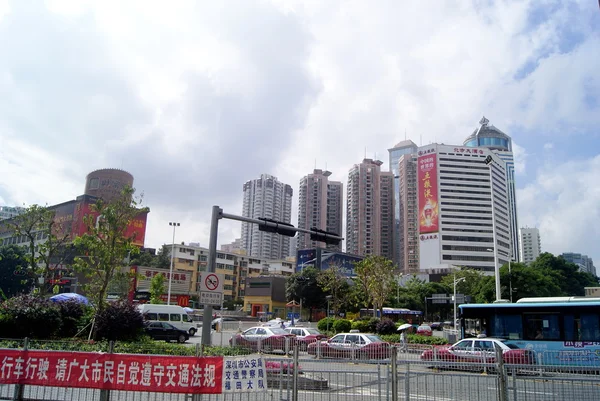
(342, 325)
(386, 326)
(414, 339)
(120, 320)
(71, 313)
(372, 324)
(361, 325)
(325, 322)
(29, 316)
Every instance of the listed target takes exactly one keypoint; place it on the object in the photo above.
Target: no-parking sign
(211, 289)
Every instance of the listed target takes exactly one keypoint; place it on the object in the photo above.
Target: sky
(194, 98)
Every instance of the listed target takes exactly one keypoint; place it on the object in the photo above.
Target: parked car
(424, 330)
(174, 314)
(437, 326)
(479, 350)
(166, 332)
(305, 336)
(269, 338)
(351, 345)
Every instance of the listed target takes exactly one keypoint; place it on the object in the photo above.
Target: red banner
(148, 373)
(428, 196)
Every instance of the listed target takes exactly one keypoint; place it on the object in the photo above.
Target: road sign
(211, 289)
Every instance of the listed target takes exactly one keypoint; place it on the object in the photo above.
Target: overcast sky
(196, 97)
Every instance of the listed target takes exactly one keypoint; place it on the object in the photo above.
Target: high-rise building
(408, 219)
(8, 212)
(369, 210)
(234, 247)
(488, 136)
(266, 197)
(319, 206)
(530, 245)
(463, 213)
(584, 262)
(405, 147)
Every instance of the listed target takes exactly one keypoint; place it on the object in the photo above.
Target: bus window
(542, 326)
(572, 328)
(506, 326)
(590, 327)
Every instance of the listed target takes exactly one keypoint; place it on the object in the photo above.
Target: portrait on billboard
(428, 199)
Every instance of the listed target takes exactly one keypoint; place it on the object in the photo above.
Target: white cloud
(196, 98)
(548, 146)
(564, 203)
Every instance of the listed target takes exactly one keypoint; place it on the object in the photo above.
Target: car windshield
(313, 331)
(278, 331)
(511, 346)
(374, 338)
(187, 318)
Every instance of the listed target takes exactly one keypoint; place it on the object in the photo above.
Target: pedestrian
(403, 344)
(282, 324)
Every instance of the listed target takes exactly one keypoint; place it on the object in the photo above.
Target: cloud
(548, 146)
(194, 98)
(563, 203)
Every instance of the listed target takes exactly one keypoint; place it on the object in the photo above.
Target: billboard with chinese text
(428, 193)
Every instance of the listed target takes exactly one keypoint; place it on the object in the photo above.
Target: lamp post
(398, 279)
(510, 289)
(456, 281)
(489, 161)
(328, 298)
(173, 224)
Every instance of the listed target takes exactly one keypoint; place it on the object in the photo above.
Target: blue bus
(563, 331)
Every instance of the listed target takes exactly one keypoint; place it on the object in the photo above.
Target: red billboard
(129, 372)
(136, 228)
(428, 193)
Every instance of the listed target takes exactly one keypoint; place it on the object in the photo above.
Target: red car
(351, 345)
(305, 336)
(424, 330)
(264, 338)
(479, 350)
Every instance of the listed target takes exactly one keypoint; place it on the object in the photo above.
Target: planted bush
(120, 320)
(386, 326)
(361, 325)
(325, 322)
(342, 325)
(71, 313)
(29, 316)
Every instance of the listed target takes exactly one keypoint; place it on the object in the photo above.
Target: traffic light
(274, 226)
(324, 236)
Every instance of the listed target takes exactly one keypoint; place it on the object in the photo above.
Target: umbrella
(404, 326)
(70, 296)
(188, 310)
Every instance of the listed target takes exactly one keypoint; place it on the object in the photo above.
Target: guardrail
(291, 376)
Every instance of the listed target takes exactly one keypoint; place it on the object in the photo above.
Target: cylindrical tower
(107, 183)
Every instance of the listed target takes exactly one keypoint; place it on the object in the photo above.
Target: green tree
(376, 275)
(106, 243)
(567, 276)
(334, 283)
(527, 282)
(163, 258)
(303, 287)
(38, 223)
(14, 278)
(157, 288)
(143, 259)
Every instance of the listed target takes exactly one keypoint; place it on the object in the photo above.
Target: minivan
(173, 314)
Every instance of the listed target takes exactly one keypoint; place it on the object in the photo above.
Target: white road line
(524, 391)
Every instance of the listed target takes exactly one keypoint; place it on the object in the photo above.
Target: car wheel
(192, 331)
(181, 339)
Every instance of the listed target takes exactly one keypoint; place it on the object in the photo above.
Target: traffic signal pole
(263, 225)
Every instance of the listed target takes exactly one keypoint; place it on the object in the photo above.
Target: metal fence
(300, 377)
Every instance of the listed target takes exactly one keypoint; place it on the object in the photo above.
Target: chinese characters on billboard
(428, 194)
(128, 372)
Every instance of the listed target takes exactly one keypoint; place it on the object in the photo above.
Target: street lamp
(328, 298)
(456, 281)
(489, 162)
(398, 280)
(510, 289)
(173, 224)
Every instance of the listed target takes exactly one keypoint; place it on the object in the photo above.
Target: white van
(173, 314)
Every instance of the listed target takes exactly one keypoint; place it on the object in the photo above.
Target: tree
(106, 243)
(14, 278)
(376, 274)
(163, 259)
(47, 241)
(566, 275)
(303, 287)
(157, 288)
(143, 259)
(334, 283)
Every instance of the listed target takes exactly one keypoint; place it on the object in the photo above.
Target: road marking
(524, 391)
